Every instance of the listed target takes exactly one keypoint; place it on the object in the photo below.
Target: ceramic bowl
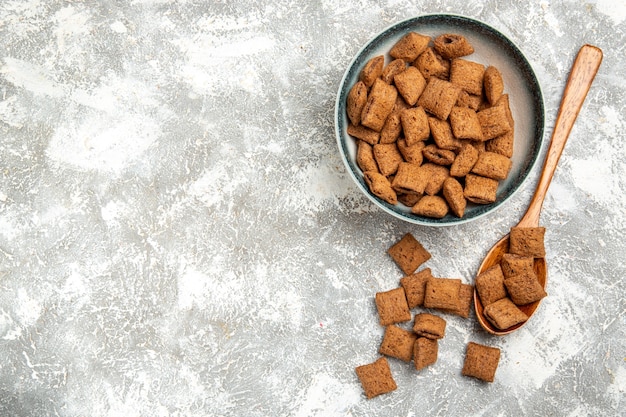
(491, 48)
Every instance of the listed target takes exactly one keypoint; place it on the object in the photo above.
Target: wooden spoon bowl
(494, 257)
(583, 72)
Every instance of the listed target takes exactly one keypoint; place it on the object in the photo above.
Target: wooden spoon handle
(580, 78)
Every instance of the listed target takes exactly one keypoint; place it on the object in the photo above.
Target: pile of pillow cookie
(420, 343)
(433, 129)
(513, 282)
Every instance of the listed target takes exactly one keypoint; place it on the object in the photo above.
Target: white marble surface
(179, 237)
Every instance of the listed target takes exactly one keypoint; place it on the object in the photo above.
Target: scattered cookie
(415, 286)
(425, 352)
(481, 361)
(398, 343)
(435, 131)
(429, 326)
(376, 378)
(392, 307)
(442, 293)
(466, 295)
(408, 254)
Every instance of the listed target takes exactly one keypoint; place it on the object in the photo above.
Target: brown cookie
(464, 161)
(524, 288)
(392, 307)
(425, 352)
(480, 190)
(431, 206)
(387, 157)
(453, 193)
(452, 45)
(465, 124)
(398, 343)
(481, 361)
(408, 254)
(380, 102)
(504, 313)
(415, 286)
(490, 285)
(515, 264)
(439, 97)
(493, 84)
(415, 125)
(372, 70)
(442, 293)
(380, 186)
(492, 165)
(410, 179)
(410, 46)
(410, 84)
(468, 75)
(528, 241)
(376, 378)
(430, 326)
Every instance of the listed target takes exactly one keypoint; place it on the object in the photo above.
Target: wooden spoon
(581, 76)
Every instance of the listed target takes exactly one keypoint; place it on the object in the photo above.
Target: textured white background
(179, 237)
